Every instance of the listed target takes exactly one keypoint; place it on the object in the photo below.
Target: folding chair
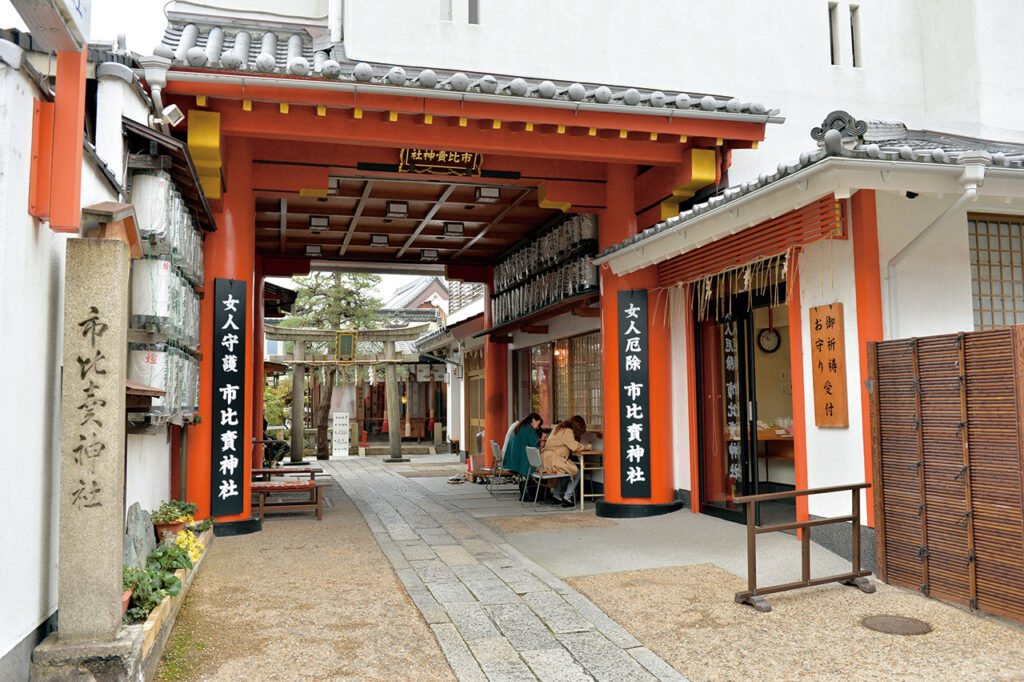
(536, 464)
(498, 475)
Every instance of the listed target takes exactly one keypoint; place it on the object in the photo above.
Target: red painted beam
(265, 122)
(514, 110)
(347, 155)
(302, 124)
(288, 178)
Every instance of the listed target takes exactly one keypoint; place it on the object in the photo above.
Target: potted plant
(171, 517)
(126, 598)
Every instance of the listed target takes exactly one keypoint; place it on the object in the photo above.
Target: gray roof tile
(284, 51)
(885, 140)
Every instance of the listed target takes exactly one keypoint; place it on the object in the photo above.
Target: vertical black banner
(229, 450)
(730, 368)
(634, 395)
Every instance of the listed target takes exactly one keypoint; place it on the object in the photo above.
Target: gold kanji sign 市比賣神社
(828, 366)
(439, 162)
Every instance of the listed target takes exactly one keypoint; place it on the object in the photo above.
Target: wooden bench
(314, 503)
(267, 472)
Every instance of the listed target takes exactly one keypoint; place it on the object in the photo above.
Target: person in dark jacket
(525, 435)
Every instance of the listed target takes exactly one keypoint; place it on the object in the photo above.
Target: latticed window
(997, 272)
(461, 294)
(563, 406)
(560, 379)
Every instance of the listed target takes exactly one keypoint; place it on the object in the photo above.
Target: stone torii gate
(390, 360)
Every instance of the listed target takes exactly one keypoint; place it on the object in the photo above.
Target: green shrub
(148, 588)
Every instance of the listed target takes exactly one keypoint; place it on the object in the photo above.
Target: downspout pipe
(334, 20)
(973, 176)
(155, 72)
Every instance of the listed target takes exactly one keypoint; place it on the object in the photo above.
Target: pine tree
(332, 300)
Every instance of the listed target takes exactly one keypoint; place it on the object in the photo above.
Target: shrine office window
(997, 270)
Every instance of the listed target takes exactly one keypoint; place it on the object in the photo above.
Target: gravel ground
(540, 522)
(687, 616)
(301, 600)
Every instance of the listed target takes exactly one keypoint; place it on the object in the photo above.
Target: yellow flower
(187, 540)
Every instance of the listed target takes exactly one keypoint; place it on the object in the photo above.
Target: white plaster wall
(932, 284)
(558, 328)
(454, 425)
(148, 463)
(681, 453)
(116, 98)
(922, 62)
(31, 314)
(973, 82)
(835, 456)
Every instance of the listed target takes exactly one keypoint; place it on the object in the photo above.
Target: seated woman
(563, 441)
(526, 434)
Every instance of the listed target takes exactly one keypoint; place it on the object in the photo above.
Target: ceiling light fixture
(428, 255)
(378, 240)
(314, 250)
(454, 229)
(319, 223)
(397, 209)
(488, 195)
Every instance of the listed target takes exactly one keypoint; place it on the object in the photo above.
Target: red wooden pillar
(258, 376)
(496, 417)
(796, 375)
(229, 253)
(868, 285)
(618, 222)
(68, 123)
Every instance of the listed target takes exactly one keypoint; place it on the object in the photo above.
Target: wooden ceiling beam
(426, 219)
(497, 219)
(367, 189)
(283, 222)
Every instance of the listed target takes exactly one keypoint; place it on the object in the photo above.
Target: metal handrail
(754, 595)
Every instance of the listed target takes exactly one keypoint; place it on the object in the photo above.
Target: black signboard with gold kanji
(439, 162)
(634, 392)
(229, 450)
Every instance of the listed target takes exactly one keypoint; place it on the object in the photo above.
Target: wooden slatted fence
(946, 426)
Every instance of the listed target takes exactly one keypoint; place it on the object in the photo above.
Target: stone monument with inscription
(90, 640)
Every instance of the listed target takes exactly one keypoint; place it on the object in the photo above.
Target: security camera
(172, 114)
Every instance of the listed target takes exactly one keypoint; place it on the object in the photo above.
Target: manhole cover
(896, 625)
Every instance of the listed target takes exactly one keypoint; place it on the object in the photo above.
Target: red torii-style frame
(680, 154)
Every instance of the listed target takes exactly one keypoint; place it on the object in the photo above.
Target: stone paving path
(496, 614)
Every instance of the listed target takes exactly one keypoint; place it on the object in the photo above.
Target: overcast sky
(141, 20)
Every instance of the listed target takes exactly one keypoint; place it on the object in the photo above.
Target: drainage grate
(896, 625)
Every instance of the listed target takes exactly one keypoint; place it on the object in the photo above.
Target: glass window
(560, 379)
(541, 380)
(996, 283)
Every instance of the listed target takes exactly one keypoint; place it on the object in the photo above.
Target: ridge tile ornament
(847, 125)
(634, 395)
(228, 446)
